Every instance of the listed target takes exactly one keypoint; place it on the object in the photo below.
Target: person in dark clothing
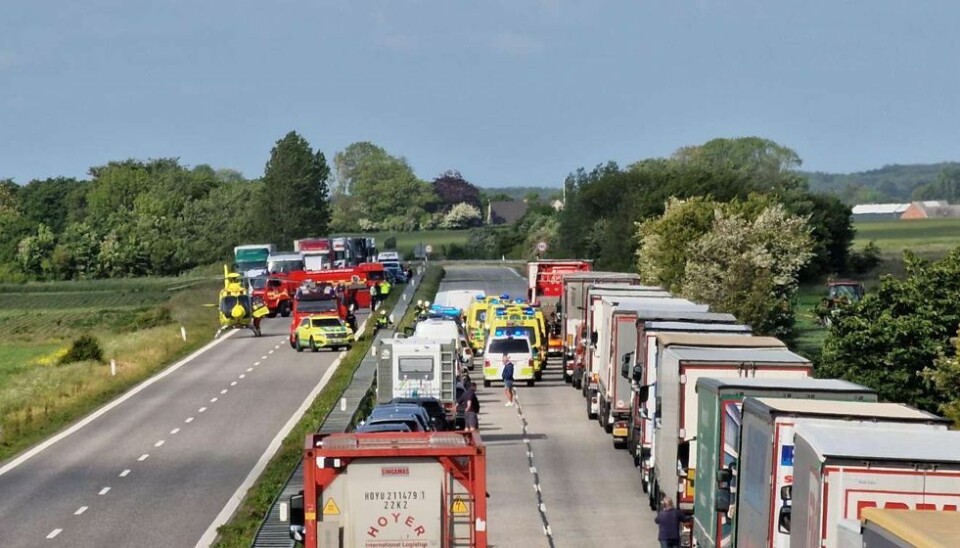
(669, 519)
(470, 404)
(507, 376)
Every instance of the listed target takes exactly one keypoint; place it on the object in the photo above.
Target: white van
(520, 352)
(445, 331)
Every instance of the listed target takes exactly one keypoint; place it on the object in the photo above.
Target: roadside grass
(140, 330)
(241, 529)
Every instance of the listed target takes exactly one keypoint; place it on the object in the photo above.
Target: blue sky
(510, 92)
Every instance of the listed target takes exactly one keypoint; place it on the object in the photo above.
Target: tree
(389, 195)
(896, 332)
(946, 187)
(33, 252)
(452, 189)
(45, 201)
(945, 377)
(665, 240)
(294, 203)
(755, 156)
(749, 267)
(347, 161)
(462, 215)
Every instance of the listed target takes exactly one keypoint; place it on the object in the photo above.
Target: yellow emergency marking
(458, 506)
(619, 432)
(331, 508)
(311, 516)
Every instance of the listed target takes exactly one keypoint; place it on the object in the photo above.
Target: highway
(160, 466)
(549, 469)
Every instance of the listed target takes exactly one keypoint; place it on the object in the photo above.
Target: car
(322, 331)
(400, 410)
(412, 422)
(395, 273)
(520, 352)
(384, 427)
(433, 407)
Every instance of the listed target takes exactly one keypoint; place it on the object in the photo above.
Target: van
(520, 352)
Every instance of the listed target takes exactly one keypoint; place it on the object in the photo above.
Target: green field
(928, 237)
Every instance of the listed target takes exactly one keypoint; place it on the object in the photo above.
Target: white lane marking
(249, 369)
(277, 347)
(144, 457)
(99, 412)
(104, 491)
(242, 376)
(270, 352)
(125, 473)
(80, 511)
(188, 420)
(213, 400)
(202, 409)
(234, 501)
(234, 383)
(54, 533)
(159, 443)
(174, 431)
(256, 364)
(533, 469)
(225, 390)
(263, 357)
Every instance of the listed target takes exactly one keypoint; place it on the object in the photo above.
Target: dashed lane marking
(263, 357)
(242, 376)
(225, 390)
(249, 369)
(270, 352)
(53, 534)
(256, 363)
(234, 383)
(80, 511)
(159, 443)
(188, 420)
(104, 491)
(174, 431)
(213, 400)
(201, 410)
(144, 457)
(125, 473)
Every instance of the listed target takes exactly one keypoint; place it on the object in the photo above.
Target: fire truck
(545, 288)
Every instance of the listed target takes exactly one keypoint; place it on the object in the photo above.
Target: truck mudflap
(394, 489)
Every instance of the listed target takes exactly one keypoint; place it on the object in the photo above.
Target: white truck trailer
(676, 414)
(839, 471)
(766, 453)
(417, 368)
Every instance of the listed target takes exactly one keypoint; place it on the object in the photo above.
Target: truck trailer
(573, 309)
(418, 368)
(250, 260)
(642, 372)
(722, 420)
(676, 413)
(545, 288)
(381, 490)
(839, 471)
(907, 529)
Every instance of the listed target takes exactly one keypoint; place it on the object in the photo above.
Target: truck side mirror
(786, 493)
(297, 522)
(594, 337)
(783, 520)
(643, 393)
(638, 373)
(625, 365)
(723, 498)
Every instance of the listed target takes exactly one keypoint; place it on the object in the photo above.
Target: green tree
(33, 252)
(665, 240)
(945, 377)
(46, 201)
(389, 196)
(897, 331)
(295, 196)
(462, 215)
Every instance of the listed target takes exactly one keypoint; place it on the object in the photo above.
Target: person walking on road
(668, 519)
(507, 377)
(471, 406)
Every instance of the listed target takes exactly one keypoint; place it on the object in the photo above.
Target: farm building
(878, 212)
(931, 210)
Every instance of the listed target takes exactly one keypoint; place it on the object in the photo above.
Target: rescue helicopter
(236, 308)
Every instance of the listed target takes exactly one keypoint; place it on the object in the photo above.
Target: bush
(84, 348)
(390, 243)
(864, 261)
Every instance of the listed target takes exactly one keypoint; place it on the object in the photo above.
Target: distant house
(506, 212)
(937, 209)
(878, 212)
(557, 205)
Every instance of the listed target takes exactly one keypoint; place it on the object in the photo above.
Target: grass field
(928, 237)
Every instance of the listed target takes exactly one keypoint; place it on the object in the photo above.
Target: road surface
(545, 452)
(157, 468)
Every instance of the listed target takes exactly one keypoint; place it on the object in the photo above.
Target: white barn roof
(879, 209)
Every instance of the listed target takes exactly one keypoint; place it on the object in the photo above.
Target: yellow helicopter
(236, 307)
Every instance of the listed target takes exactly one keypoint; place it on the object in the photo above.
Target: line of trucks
(734, 428)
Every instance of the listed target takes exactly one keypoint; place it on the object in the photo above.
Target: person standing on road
(373, 296)
(507, 377)
(668, 519)
(470, 405)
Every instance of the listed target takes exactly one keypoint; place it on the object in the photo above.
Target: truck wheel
(530, 382)
(297, 345)
(486, 383)
(607, 425)
(643, 484)
(285, 309)
(313, 345)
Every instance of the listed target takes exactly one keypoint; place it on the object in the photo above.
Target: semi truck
(722, 420)
(767, 449)
(317, 252)
(545, 288)
(642, 372)
(598, 360)
(380, 490)
(251, 259)
(681, 363)
(839, 471)
(418, 367)
(573, 308)
(285, 262)
(583, 370)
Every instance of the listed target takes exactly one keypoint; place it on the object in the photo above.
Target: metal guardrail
(274, 533)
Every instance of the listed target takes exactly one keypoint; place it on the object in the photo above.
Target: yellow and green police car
(322, 331)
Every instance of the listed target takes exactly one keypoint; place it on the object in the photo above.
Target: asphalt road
(158, 468)
(545, 452)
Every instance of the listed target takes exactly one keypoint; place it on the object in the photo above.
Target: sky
(508, 92)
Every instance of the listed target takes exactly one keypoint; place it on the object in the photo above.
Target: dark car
(433, 407)
(405, 409)
(384, 427)
(410, 421)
